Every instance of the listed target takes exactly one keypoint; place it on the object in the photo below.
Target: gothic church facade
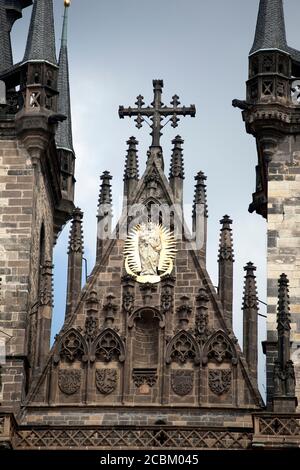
(147, 357)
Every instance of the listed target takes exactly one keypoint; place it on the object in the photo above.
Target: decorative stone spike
(46, 290)
(76, 233)
(92, 321)
(250, 309)
(226, 259)
(131, 165)
(105, 196)
(200, 199)
(201, 325)
(128, 293)
(283, 321)
(167, 293)
(284, 383)
(105, 213)
(183, 312)
(250, 299)
(92, 303)
(75, 257)
(177, 164)
(110, 309)
(226, 244)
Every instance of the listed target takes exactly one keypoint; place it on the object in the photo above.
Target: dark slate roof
(5, 48)
(41, 36)
(270, 29)
(64, 138)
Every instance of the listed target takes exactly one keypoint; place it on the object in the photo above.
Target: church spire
(270, 27)
(41, 37)
(64, 138)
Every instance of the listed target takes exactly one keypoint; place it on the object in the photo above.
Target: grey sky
(200, 49)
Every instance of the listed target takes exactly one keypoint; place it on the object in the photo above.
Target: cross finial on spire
(157, 112)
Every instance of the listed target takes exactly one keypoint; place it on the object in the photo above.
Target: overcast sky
(200, 49)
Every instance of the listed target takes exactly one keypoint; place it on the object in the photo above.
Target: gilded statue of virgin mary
(149, 252)
(149, 242)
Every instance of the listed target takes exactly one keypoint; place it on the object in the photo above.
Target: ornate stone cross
(157, 112)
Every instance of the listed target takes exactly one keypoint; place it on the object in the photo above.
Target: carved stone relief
(182, 381)
(69, 381)
(106, 380)
(219, 380)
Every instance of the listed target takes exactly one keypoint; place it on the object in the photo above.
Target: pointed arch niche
(144, 359)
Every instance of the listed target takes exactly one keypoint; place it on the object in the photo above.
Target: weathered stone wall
(23, 206)
(284, 244)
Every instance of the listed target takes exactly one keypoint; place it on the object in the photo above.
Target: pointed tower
(271, 113)
(250, 310)
(200, 213)
(226, 260)
(9, 13)
(75, 255)
(39, 73)
(270, 28)
(32, 198)
(104, 216)
(131, 173)
(176, 175)
(64, 137)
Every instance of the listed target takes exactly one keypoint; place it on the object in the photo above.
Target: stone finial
(283, 310)
(131, 163)
(110, 309)
(226, 244)
(105, 196)
(200, 198)
(183, 311)
(177, 164)
(92, 303)
(46, 289)
(76, 233)
(250, 312)
(284, 399)
(250, 299)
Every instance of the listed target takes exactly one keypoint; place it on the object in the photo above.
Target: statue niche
(145, 354)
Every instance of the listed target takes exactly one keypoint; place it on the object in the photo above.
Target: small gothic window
(268, 64)
(254, 67)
